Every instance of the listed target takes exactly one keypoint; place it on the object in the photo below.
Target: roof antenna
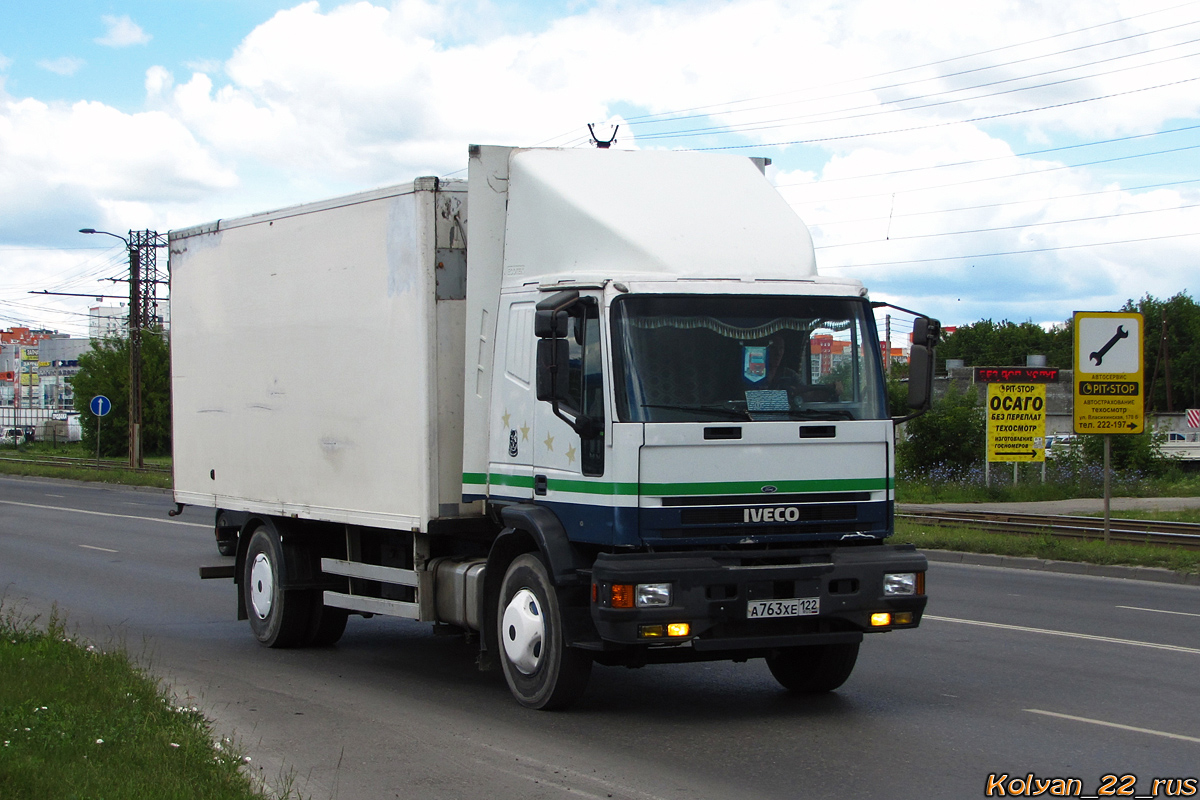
(602, 144)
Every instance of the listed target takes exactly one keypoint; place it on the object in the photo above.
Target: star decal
(525, 433)
(549, 442)
(571, 454)
(505, 418)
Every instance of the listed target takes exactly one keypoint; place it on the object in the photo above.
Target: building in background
(107, 322)
(36, 367)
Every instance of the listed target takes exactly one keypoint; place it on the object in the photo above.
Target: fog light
(678, 629)
(881, 619)
(902, 618)
(900, 583)
(652, 631)
(653, 594)
(621, 595)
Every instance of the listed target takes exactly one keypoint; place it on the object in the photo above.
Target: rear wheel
(812, 669)
(328, 623)
(227, 542)
(278, 617)
(541, 670)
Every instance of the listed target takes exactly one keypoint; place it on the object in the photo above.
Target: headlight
(653, 594)
(900, 583)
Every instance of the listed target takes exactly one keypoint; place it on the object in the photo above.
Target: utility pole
(887, 353)
(143, 307)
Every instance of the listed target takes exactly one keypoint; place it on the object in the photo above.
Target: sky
(999, 159)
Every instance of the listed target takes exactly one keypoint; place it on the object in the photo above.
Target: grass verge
(970, 487)
(1045, 546)
(76, 721)
(12, 463)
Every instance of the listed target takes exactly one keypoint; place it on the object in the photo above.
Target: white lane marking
(609, 787)
(101, 549)
(542, 781)
(104, 514)
(1160, 611)
(56, 495)
(1173, 647)
(1150, 731)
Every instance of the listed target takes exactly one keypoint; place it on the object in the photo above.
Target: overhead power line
(939, 62)
(929, 126)
(1006, 203)
(884, 107)
(1012, 252)
(970, 162)
(1010, 227)
(1026, 173)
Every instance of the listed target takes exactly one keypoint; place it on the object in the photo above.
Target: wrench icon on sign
(1098, 356)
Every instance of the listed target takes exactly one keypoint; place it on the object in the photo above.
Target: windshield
(717, 358)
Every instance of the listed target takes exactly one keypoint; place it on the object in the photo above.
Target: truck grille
(728, 516)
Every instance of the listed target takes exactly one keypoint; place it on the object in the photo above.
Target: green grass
(965, 540)
(80, 722)
(1180, 515)
(10, 464)
(1029, 488)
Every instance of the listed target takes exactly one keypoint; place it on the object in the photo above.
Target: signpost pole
(1109, 376)
(1107, 482)
(99, 405)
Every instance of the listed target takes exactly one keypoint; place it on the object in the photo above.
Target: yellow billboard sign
(1016, 422)
(1108, 372)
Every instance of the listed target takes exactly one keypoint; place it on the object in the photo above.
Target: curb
(1156, 574)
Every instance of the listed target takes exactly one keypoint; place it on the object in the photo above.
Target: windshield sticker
(767, 400)
(754, 363)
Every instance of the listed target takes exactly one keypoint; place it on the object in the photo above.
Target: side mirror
(920, 377)
(552, 384)
(549, 324)
(926, 332)
(550, 318)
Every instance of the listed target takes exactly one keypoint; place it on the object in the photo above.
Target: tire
(328, 623)
(227, 545)
(813, 669)
(542, 672)
(278, 617)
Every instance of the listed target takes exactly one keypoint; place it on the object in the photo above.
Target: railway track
(1129, 531)
(83, 463)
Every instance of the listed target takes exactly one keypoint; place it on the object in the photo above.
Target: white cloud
(158, 82)
(316, 102)
(66, 66)
(85, 159)
(122, 32)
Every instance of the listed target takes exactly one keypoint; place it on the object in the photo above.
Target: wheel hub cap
(524, 631)
(262, 585)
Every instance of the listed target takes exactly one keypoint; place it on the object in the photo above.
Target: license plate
(796, 607)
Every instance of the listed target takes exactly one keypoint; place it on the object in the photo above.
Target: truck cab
(700, 424)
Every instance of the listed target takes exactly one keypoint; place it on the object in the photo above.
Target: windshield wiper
(732, 413)
(820, 413)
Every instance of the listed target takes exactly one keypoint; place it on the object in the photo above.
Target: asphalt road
(1013, 673)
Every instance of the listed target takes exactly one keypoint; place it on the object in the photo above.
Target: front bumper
(712, 589)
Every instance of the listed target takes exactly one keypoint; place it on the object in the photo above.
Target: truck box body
(318, 359)
(615, 416)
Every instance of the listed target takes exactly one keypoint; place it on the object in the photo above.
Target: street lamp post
(135, 347)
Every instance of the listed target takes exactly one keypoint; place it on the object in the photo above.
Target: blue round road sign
(100, 405)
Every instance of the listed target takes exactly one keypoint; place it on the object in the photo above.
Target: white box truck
(588, 407)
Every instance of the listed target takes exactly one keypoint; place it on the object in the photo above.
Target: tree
(105, 370)
(1182, 316)
(951, 434)
(1005, 344)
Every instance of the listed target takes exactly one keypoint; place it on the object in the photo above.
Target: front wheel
(813, 669)
(541, 670)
